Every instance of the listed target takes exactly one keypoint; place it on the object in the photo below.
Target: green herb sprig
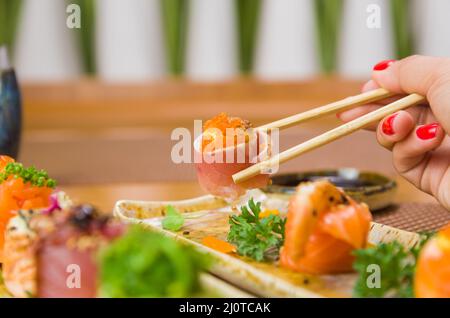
(36, 177)
(147, 264)
(255, 237)
(397, 268)
(174, 220)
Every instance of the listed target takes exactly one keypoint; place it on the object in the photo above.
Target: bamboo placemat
(414, 217)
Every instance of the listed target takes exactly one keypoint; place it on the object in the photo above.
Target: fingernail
(383, 65)
(388, 125)
(427, 132)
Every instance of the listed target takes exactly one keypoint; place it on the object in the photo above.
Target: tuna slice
(66, 271)
(55, 255)
(215, 169)
(66, 259)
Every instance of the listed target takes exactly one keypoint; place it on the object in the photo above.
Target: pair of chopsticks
(331, 135)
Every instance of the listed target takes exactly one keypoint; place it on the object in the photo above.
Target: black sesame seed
(344, 199)
(83, 215)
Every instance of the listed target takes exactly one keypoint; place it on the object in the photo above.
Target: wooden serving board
(208, 216)
(212, 287)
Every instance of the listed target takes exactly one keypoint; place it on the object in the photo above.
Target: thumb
(424, 75)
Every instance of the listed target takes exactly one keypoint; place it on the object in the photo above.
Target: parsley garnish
(174, 220)
(148, 264)
(36, 177)
(255, 237)
(397, 268)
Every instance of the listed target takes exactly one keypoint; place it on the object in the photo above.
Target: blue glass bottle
(10, 108)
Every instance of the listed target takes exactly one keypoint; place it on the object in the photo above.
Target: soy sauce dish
(377, 190)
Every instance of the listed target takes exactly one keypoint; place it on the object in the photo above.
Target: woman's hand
(418, 137)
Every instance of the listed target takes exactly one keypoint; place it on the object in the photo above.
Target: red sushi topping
(223, 131)
(66, 257)
(17, 192)
(227, 148)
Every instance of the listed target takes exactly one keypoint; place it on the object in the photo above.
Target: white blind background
(129, 39)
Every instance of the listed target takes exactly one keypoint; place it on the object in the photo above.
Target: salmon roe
(16, 195)
(215, 131)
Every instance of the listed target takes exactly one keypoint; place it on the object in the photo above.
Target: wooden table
(104, 196)
(91, 132)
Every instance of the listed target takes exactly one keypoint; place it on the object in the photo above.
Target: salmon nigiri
(20, 188)
(323, 227)
(42, 250)
(432, 277)
(227, 146)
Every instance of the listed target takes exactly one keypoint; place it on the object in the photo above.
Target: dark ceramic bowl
(372, 188)
(10, 108)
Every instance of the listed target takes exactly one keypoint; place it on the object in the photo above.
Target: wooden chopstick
(341, 105)
(328, 137)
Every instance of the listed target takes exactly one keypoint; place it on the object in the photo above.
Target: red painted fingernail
(427, 132)
(383, 65)
(388, 125)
